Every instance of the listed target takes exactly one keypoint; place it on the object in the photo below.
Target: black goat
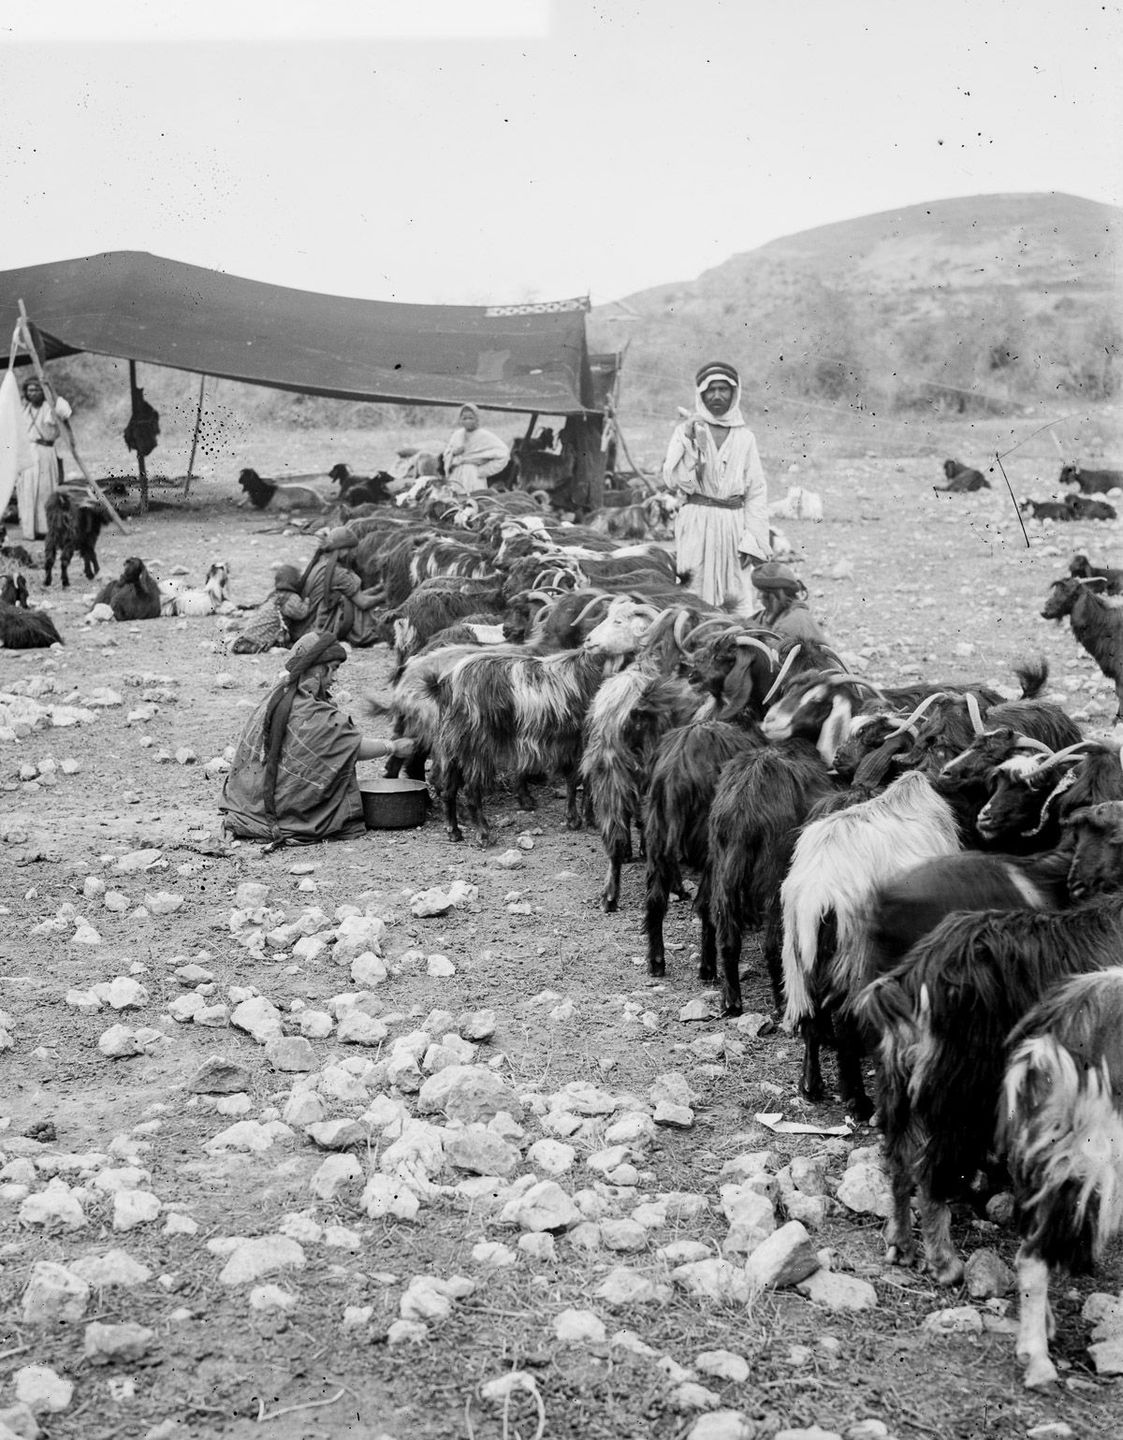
(762, 798)
(1096, 623)
(362, 489)
(943, 1016)
(1034, 795)
(262, 493)
(15, 552)
(962, 478)
(1080, 566)
(13, 590)
(134, 595)
(20, 627)
(1092, 482)
(71, 528)
(1083, 508)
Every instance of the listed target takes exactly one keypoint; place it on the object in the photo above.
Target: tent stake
(195, 436)
(64, 425)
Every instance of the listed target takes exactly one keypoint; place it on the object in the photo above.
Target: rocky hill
(980, 301)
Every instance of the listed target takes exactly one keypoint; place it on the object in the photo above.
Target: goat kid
(276, 495)
(71, 528)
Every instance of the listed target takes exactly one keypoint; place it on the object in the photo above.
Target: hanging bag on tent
(143, 426)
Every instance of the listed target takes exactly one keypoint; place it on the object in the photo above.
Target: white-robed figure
(713, 461)
(472, 456)
(40, 478)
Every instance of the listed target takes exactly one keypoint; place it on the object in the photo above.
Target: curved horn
(973, 710)
(1024, 742)
(745, 642)
(789, 661)
(709, 624)
(682, 619)
(921, 709)
(590, 606)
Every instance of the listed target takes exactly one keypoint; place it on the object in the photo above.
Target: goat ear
(737, 691)
(834, 728)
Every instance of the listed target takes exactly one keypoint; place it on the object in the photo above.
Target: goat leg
(940, 1259)
(655, 912)
(523, 796)
(450, 790)
(729, 947)
(900, 1247)
(573, 819)
(1035, 1320)
(474, 800)
(851, 1086)
(811, 1077)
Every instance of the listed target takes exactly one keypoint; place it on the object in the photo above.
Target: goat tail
(803, 917)
(885, 1006)
(1034, 675)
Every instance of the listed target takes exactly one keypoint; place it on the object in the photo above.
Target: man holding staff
(41, 477)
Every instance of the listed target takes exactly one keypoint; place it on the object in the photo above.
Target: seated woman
(336, 599)
(293, 774)
(473, 455)
(270, 623)
(783, 608)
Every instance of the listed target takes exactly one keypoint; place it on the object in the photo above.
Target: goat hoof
(456, 836)
(1040, 1371)
(732, 1010)
(608, 905)
(46, 579)
(900, 1255)
(656, 967)
(947, 1271)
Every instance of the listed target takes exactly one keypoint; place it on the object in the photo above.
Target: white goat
(209, 599)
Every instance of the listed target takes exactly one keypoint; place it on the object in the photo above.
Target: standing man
(722, 524)
(41, 477)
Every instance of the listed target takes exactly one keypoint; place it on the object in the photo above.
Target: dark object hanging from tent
(143, 426)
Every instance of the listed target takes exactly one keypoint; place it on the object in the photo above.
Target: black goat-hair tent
(132, 305)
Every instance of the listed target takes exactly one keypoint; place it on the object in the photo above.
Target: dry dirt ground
(908, 582)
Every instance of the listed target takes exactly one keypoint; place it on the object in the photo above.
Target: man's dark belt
(43, 442)
(731, 502)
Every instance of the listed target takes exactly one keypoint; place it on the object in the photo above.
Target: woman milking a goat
(784, 609)
(293, 775)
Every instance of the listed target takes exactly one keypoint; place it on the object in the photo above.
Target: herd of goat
(936, 871)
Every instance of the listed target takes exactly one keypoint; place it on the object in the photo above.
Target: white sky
(476, 151)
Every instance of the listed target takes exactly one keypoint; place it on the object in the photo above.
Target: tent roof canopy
(136, 306)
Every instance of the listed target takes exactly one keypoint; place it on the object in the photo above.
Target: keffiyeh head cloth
(723, 371)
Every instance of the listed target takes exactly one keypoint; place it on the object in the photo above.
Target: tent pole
(141, 468)
(530, 427)
(64, 425)
(195, 436)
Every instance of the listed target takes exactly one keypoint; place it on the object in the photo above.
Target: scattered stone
(219, 1076)
(107, 1343)
(251, 1259)
(482, 1152)
(835, 1291)
(623, 1286)
(957, 1320)
(721, 1425)
(578, 1327)
(114, 1268)
(724, 1365)
(675, 1117)
(42, 1390)
(986, 1275)
(865, 1188)
(544, 1206)
(258, 1018)
(785, 1258)
(54, 1295)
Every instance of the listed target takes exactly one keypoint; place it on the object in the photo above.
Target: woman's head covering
(340, 537)
(314, 649)
(719, 370)
(774, 576)
(287, 577)
(475, 409)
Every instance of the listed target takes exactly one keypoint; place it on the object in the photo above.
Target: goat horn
(1082, 747)
(591, 605)
(652, 610)
(745, 642)
(925, 705)
(708, 624)
(682, 619)
(973, 710)
(1024, 742)
(789, 661)
(542, 595)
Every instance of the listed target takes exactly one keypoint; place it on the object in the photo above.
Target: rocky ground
(286, 1150)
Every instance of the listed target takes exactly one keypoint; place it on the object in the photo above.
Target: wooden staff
(195, 435)
(23, 326)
